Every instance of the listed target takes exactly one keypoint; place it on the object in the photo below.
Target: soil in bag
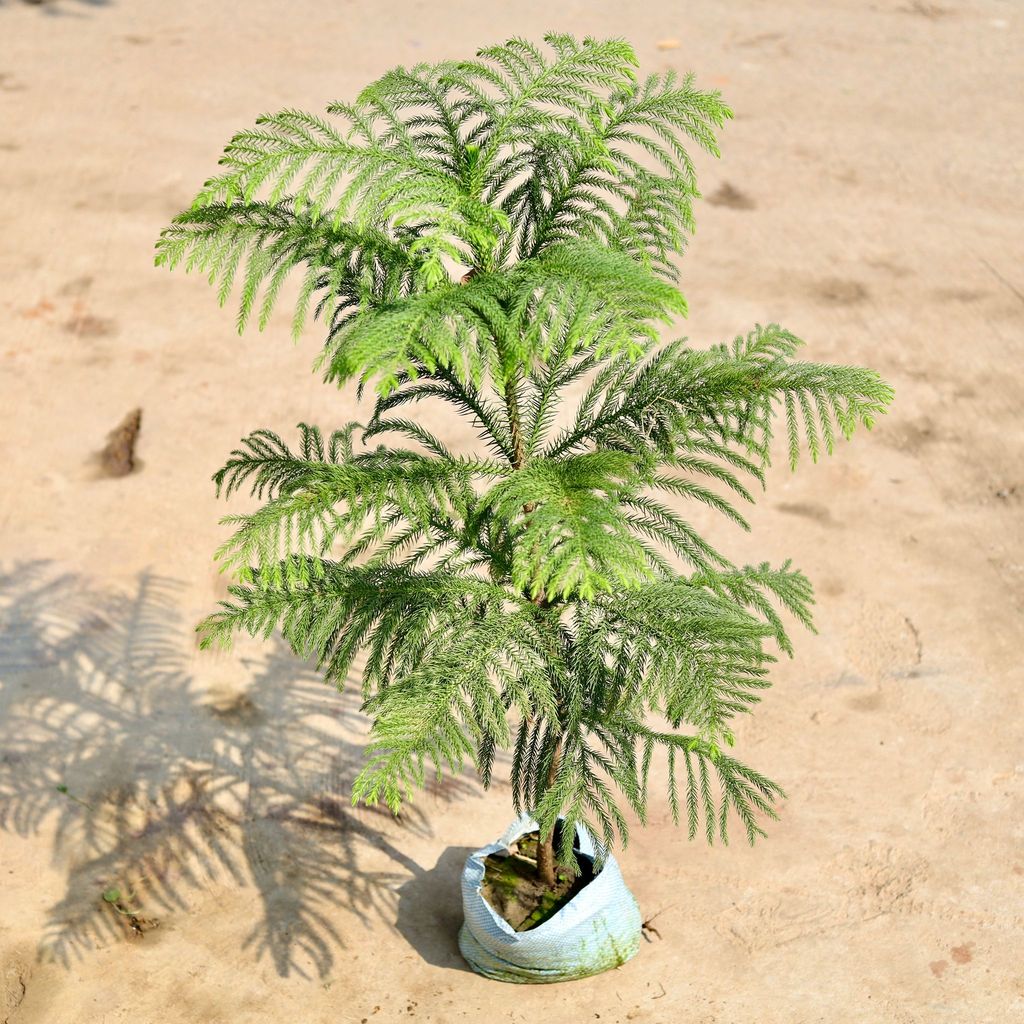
(512, 888)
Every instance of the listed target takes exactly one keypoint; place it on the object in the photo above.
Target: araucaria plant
(500, 235)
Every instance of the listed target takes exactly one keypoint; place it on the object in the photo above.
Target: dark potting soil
(512, 888)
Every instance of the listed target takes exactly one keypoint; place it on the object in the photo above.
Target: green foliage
(501, 235)
(575, 539)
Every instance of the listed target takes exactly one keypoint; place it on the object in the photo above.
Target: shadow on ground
(156, 786)
(55, 7)
(430, 910)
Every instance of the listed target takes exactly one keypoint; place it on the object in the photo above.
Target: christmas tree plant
(500, 235)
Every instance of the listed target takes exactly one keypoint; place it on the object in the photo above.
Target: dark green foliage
(501, 234)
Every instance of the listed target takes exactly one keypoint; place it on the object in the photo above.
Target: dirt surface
(513, 888)
(868, 199)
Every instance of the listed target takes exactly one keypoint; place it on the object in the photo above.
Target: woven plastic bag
(597, 930)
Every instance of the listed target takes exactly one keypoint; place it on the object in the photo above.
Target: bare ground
(868, 198)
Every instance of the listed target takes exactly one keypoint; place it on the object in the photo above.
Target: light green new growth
(501, 234)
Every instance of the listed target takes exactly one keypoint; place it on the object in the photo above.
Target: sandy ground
(874, 207)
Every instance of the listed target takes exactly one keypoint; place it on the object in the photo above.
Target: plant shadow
(430, 910)
(155, 784)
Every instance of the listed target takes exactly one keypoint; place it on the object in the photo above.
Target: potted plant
(499, 235)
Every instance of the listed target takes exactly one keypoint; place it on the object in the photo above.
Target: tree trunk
(546, 844)
(515, 422)
(546, 860)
